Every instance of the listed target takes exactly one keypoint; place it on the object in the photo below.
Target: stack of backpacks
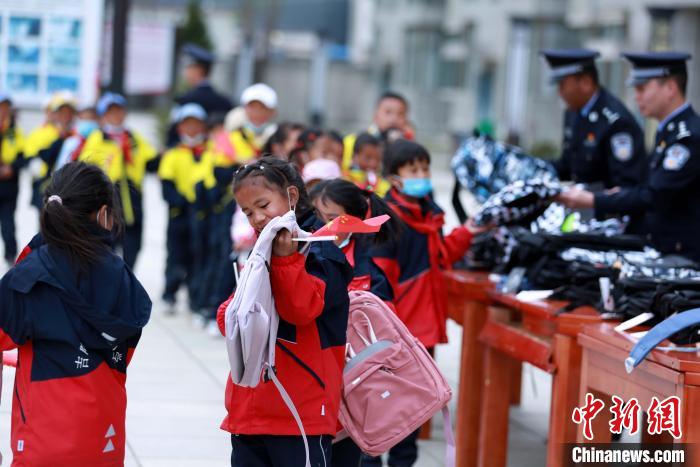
(553, 249)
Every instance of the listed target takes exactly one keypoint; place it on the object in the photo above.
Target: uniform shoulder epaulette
(683, 131)
(610, 115)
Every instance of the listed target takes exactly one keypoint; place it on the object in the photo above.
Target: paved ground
(177, 377)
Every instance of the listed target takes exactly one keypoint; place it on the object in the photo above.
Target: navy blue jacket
(205, 95)
(76, 332)
(605, 146)
(670, 198)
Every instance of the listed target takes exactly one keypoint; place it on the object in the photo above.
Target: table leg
(470, 377)
(565, 388)
(516, 383)
(493, 431)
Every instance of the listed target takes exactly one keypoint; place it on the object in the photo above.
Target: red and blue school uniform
(311, 298)
(414, 263)
(367, 275)
(76, 331)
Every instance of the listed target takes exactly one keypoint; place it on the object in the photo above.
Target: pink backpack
(391, 384)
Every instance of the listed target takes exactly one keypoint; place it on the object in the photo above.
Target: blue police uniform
(670, 198)
(203, 94)
(603, 143)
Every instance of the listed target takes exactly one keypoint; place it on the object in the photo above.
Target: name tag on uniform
(676, 157)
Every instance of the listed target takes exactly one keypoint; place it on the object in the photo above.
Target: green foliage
(195, 29)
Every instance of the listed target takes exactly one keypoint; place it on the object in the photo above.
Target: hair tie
(55, 198)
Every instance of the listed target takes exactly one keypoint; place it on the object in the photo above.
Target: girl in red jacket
(75, 312)
(413, 264)
(334, 198)
(310, 292)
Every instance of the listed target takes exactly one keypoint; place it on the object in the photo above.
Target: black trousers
(279, 451)
(346, 454)
(404, 454)
(7, 226)
(178, 264)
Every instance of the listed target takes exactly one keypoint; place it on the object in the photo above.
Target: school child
(75, 312)
(181, 169)
(251, 125)
(318, 170)
(334, 198)
(335, 146)
(310, 293)
(283, 140)
(413, 264)
(11, 159)
(391, 112)
(366, 165)
(125, 156)
(60, 112)
(313, 144)
(69, 150)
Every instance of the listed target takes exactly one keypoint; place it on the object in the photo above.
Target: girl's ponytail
(72, 200)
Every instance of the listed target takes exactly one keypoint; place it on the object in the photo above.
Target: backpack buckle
(266, 376)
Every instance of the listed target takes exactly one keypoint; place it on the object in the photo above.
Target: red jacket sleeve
(457, 243)
(6, 343)
(391, 270)
(299, 295)
(221, 315)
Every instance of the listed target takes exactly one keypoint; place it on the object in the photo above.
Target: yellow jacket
(13, 143)
(243, 147)
(38, 140)
(106, 153)
(179, 166)
(359, 178)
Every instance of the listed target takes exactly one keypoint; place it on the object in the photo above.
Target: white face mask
(113, 129)
(192, 141)
(345, 242)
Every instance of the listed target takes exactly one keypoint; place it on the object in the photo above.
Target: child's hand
(283, 245)
(477, 229)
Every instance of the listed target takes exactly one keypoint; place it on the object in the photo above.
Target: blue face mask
(256, 129)
(85, 127)
(417, 187)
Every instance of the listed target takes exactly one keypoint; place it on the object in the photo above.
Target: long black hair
(359, 203)
(279, 175)
(72, 200)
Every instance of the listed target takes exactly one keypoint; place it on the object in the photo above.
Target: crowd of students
(221, 187)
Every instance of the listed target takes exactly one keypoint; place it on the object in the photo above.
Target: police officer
(603, 143)
(198, 65)
(11, 146)
(670, 197)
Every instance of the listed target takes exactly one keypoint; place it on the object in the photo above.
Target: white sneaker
(213, 329)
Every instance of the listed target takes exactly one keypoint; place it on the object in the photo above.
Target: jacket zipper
(19, 401)
(302, 364)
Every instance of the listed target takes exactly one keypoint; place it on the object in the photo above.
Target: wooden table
(468, 298)
(537, 333)
(661, 374)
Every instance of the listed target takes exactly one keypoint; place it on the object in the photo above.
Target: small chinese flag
(351, 224)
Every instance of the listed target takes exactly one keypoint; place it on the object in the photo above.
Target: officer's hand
(6, 172)
(477, 229)
(612, 191)
(576, 198)
(283, 245)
